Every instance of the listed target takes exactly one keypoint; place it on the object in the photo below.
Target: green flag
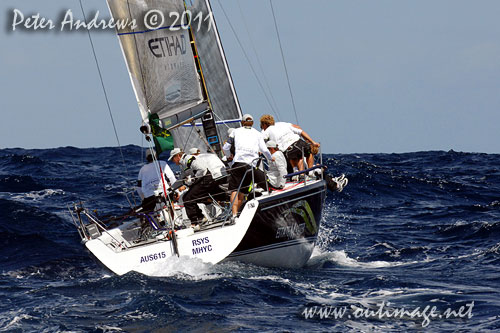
(162, 138)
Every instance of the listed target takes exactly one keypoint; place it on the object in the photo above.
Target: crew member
(247, 143)
(203, 174)
(288, 137)
(194, 151)
(149, 180)
(277, 169)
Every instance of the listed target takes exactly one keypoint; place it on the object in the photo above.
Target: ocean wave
(19, 184)
(37, 195)
(13, 320)
(20, 160)
(341, 258)
(466, 230)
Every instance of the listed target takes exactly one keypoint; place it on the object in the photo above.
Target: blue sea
(411, 244)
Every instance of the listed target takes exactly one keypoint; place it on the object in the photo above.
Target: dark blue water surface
(410, 231)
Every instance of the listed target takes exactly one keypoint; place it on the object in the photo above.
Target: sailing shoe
(196, 227)
(231, 220)
(315, 174)
(342, 182)
(259, 191)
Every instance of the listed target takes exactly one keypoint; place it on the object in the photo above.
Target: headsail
(217, 78)
(167, 79)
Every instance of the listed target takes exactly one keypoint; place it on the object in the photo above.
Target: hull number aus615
(153, 257)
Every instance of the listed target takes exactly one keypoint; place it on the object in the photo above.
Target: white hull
(121, 256)
(274, 230)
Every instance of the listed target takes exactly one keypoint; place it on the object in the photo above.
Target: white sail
(160, 61)
(165, 75)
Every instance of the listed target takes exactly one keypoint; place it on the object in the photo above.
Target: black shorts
(294, 152)
(237, 174)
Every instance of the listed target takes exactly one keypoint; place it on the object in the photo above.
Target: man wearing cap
(203, 174)
(194, 151)
(289, 139)
(149, 180)
(247, 143)
(277, 169)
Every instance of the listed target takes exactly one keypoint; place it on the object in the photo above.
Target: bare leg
(297, 164)
(301, 164)
(234, 200)
(238, 199)
(310, 161)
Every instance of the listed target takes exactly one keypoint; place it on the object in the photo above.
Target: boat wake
(341, 258)
(184, 267)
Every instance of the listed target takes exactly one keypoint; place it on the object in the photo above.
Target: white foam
(342, 259)
(184, 267)
(15, 322)
(34, 195)
(106, 328)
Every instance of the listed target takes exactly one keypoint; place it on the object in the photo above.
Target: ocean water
(416, 232)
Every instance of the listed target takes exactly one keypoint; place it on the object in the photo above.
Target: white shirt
(150, 178)
(247, 143)
(277, 170)
(201, 163)
(284, 134)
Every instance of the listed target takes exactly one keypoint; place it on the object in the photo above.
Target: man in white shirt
(277, 169)
(203, 174)
(247, 143)
(149, 180)
(288, 137)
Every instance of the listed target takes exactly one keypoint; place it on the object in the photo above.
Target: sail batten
(178, 26)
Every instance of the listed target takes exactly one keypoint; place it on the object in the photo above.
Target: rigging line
(284, 64)
(202, 138)
(220, 119)
(104, 90)
(187, 140)
(266, 81)
(246, 56)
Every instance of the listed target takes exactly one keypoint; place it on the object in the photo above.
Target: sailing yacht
(180, 77)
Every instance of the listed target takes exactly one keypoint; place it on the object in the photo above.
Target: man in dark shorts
(247, 143)
(290, 139)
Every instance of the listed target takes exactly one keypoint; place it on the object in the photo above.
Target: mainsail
(167, 78)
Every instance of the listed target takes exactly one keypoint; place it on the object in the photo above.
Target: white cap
(174, 152)
(247, 117)
(193, 151)
(271, 144)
